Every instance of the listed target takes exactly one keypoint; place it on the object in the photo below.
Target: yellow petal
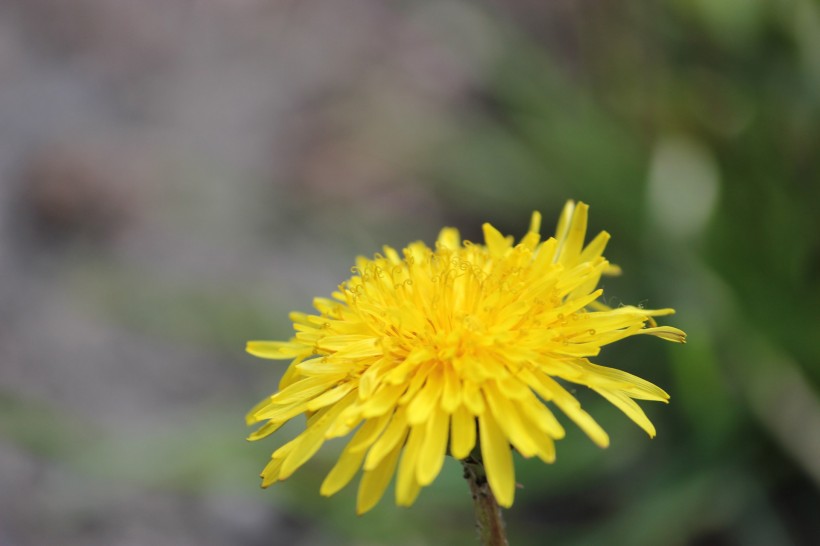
(330, 397)
(564, 220)
(415, 384)
(383, 401)
(265, 430)
(373, 376)
(533, 236)
(375, 481)
(535, 222)
(270, 474)
(304, 390)
(541, 417)
(396, 432)
(594, 375)
(497, 457)
(584, 421)
(342, 472)
(406, 484)
(309, 442)
(462, 433)
(472, 397)
(423, 404)
(292, 374)
(512, 387)
(276, 350)
(369, 432)
(497, 244)
(346, 422)
(511, 424)
(324, 366)
(274, 412)
(330, 308)
(391, 255)
(434, 447)
(630, 408)
(595, 248)
(549, 389)
(570, 251)
(544, 256)
(410, 494)
(365, 343)
(451, 393)
(546, 448)
(668, 333)
(449, 238)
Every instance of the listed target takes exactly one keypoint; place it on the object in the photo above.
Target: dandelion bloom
(447, 350)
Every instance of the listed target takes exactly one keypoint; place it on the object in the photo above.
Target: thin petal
(274, 412)
(270, 475)
(423, 404)
(265, 430)
(407, 485)
(546, 448)
(355, 344)
(375, 481)
(570, 250)
(309, 442)
(497, 244)
(531, 239)
(382, 401)
(451, 393)
(511, 424)
(595, 248)
(462, 433)
(342, 472)
(396, 432)
(416, 383)
(449, 238)
(564, 220)
(276, 350)
(630, 408)
(369, 432)
(549, 389)
(595, 375)
(497, 457)
(669, 333)
(535, 222)
(585, 422)
(541, 417)
(472, 397)
(434, 447)
(330, 397)
(292, 374)
(304, 390)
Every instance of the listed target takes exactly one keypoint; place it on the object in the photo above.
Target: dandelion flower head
(461, 349)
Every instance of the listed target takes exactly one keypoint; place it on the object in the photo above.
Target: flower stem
(488, 519)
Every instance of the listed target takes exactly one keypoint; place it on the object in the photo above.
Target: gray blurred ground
(150, 225)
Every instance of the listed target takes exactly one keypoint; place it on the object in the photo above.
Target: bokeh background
(177, 175)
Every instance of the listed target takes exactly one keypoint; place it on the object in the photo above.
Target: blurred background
(177, 175)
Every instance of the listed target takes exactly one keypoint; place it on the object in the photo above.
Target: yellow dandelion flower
(447, 350)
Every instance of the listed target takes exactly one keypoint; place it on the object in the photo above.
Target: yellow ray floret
(455, 349)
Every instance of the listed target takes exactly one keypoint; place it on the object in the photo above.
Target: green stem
(488, 519)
